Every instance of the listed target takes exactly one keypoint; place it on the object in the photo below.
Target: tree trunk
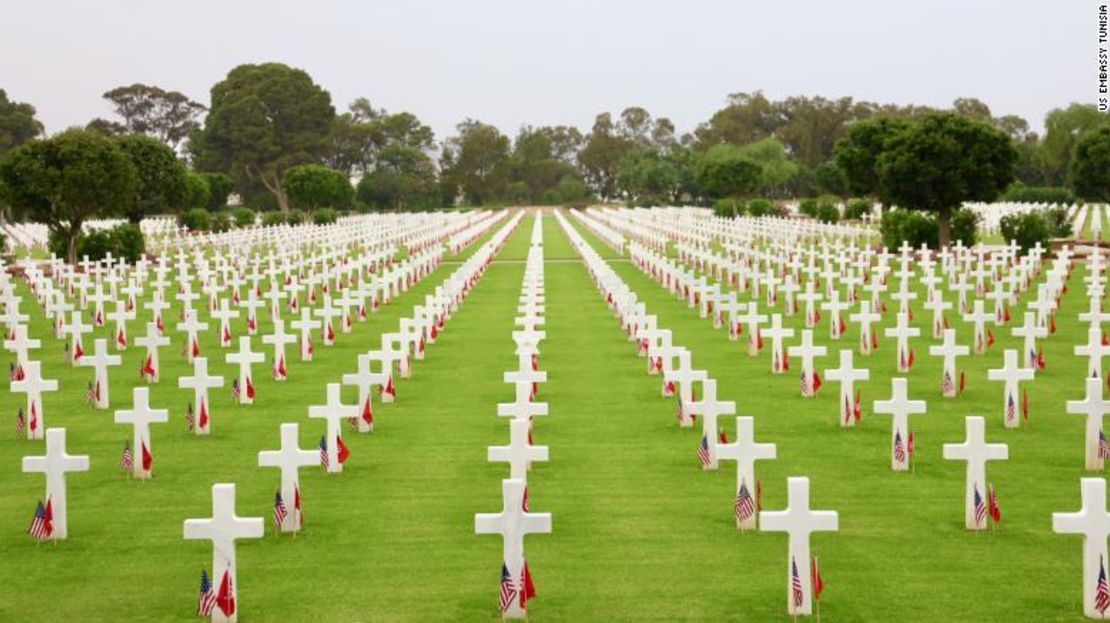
(71, 245)
(944, 220)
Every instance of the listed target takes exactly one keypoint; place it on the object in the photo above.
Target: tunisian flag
(148, 460)
(225, 599)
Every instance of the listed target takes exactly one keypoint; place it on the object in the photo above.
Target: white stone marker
(191, 327)
(976, 451)
(305, 325)
(334, 413)
(1095, 351)
(1095, 408)
(290, 459)
(99, 361)
(223, 528)
(151, 369)
(847, 374)
(365, 379)
(1011, 375)
(245, 358)
(745, 451)
(777, 332)
(18, 343)
(34, 385)
(278, 339)
(806, 352)
(799, 522)
(140, 418)
(949, 350)
(899, 407)
(519, 454)
(902, 332)
(55, 464)
(513, 523)
(75, 328)
(1030, 332)
(201, 382)
(224, 314)
(709, 408)
(1093, 522)
(979, 318)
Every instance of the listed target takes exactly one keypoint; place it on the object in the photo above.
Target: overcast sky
(553, 62)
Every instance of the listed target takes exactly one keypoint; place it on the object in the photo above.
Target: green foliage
(776, 168)
(169, 116)
(1090, 166)
(404, 178)
(828, 210)
(760, 207)
(1021, 193)
(965, 227)
(1059, 222)
(220, 186)
(244, 217)
(122, 241)
(1027, 229)
(314, 186)
(602, 155)
(723, 171)
(196, 191)
(296, 217)
(649, 174)
(808, 207)
(856, 209)
(162, 179)
(942, 161)
(324, 216)
(263, 120)
(477, 162)
(831, 179)
(728, 208)
(221, 222)
(66, 179)
(857, 154)
(17, 123)
(197, 219)
(270, 219)
(915, 228)
(1064, 129)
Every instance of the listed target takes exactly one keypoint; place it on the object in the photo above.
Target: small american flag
(804, 384)
(1011, 408)
(280, 512)
(1102, 592)
(947, 385)
(703, 451)
(899, 448)
(980, 508)
(744, 505)
(127, 461)
(1103, 447)
(20, 424)
(206, 599)
(42, 524)
(508, 589)
(190, 417)
(796, 584)
(324, 452)
(92, 395)
(235, 390)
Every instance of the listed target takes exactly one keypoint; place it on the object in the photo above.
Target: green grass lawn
(640, 532)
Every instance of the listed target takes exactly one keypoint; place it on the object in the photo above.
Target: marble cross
(902, 332)
(151, 369)
(305, 325)
(978, 318)
(191, 327)
(18, 343)
(245, 358)
(75, 328)
(34, 385)
(1010, 374)
(223, 528)
(201, 382)
(278, 339)
(365, 379)
(806, 352)
(799, 522)
(513, 523)
(1095, 351)
(949, 350)
(225, 314)
(745, 451)
(99, 362)
(1095, 408)
(290, 459)
(976, 451)
(520, 453)
(334, 413)
(899, 407)
(1030, 332)
(709, 408)
(140, 417)
(847, 374)
(1093, 522)
(55, 464)
(778, 354)
(865, 317)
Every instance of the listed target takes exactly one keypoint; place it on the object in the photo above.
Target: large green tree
(360, 135)
(1064, 127)
(943, 160)
(67, 179)
(17, 123)
(169, 116)
(476, 162)
(723, 171)
(162, 184)
(776, 167)
(1090, 167)
(403, 178)
(314, 186)
(601, 156)
(857, 154)
(263, 120)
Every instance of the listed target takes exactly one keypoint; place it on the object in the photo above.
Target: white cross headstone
(334, 413)
(1095, 408)
(290, 459)
(806, 352)
(513, 523)
(201, 382)
(847, 374)
(799, 522)
(1093, 522)
(520, 453)
(1010, 374)
(949, 350)
(153, 339)
(245, 359)
(745, 451)
(99, 361)
(709, 408)
(140, 417)
(976, 451)
(899, 407)
(223, 528)
(33, 385)
(55, 464)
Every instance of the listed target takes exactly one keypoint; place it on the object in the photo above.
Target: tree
(971, 107)
(361, 134)
(602, 154)
(938, 163)
(535, 164)
(810, 127)
(1090, 167)
(67, 179)
(647, 175)
(477, 161)
(220, 187)
(405, 177)
(264, 120)
(161, 177)
(857, 154)
(723, 171)
(748, 117)
(776, 167)
(1063, 129)
(831, 179)
(168, 116)
(17, 123)
(314, 186)
(197, 193)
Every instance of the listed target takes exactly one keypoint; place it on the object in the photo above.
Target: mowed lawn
(640, 532)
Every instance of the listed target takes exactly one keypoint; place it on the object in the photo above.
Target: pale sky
(511, 62)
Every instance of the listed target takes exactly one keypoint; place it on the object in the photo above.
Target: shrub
(244, 217)
(965, 227)
(898, 226)
(808, 207)
(128, 242)
(295, 217)
(1026, 229)
(197, 219)
(760, 207)
(270, 219)
(221, 222)
(1039, 194)
(827, 210)
(1059, 223)
(325, 216)
(856, 209)
(726, 208)
(123, 241)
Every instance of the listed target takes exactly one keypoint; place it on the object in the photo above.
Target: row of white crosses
(516, 519)
(797, 520)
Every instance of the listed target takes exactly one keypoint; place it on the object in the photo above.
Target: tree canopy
(1090, 167)
(161, 178)
(17, 123)
(314, 186)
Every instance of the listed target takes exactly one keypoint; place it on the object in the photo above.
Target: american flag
(235, 390)
(280, 512)
(206, 599)
(980, 508)
(1102, 592)
(744, 505)
(703, 451)
(127, 461)
(947, 385)
(1103, 447)
(324, 452)
(899, 448)
(796, 584)
(20, 424)
(42, 525)
(190, 418)
(1011, 408)
(508, 589)
(804, 384)
(92, 393)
